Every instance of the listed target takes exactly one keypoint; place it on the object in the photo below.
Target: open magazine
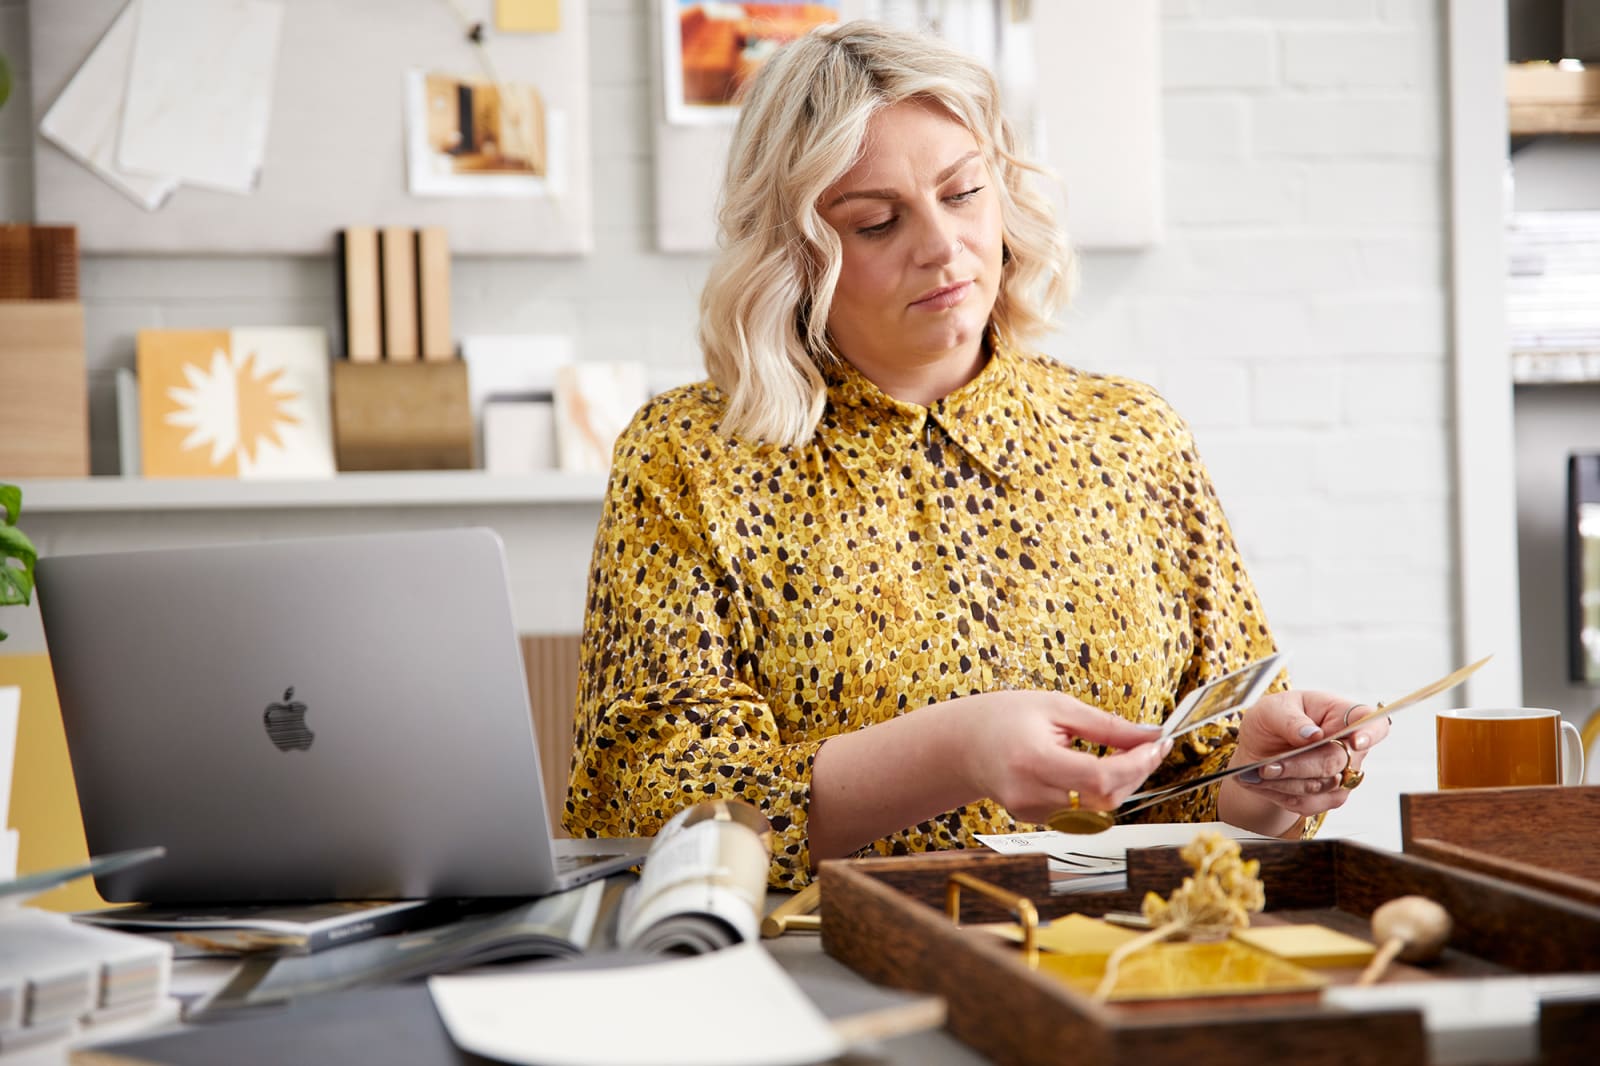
(702, 887)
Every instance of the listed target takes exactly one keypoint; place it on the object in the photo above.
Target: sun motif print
(247, 403)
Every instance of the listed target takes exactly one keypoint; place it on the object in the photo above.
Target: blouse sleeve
(669, 712)
(1227, 626)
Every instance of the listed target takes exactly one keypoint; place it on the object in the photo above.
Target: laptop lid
(331, 718)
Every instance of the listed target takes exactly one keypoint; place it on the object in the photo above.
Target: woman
(888, 576)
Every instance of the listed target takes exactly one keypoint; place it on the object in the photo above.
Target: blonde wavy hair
(764, 309)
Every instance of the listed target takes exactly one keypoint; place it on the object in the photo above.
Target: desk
(395, 1025)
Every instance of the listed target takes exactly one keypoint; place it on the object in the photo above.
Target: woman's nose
(937, 242)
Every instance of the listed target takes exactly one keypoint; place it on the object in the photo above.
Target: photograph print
(710, 51)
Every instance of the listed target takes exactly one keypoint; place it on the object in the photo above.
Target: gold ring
(1349, 777)
(1073, 800)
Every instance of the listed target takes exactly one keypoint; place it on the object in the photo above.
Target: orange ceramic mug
(1496, 747)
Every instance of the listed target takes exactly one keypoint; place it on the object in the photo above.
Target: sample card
(247, 403)
(710, 51)
(86, 117)
(199, 94)
(594, 403)
(1222, 696)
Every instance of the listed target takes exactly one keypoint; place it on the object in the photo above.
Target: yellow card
(1076, 934)
(1309, 945)
(527, 16)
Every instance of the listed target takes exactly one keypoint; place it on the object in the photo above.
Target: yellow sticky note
(1309, 945)
(527, 16)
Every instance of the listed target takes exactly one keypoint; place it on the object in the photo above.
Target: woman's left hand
(1315, 781)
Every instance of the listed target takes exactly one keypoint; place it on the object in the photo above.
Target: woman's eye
(963, 197)
(877, 230)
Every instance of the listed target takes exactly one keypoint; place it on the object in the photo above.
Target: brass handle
(794, 912)
(1022, 907)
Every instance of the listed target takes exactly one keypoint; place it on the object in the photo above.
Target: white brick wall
(1296, 313)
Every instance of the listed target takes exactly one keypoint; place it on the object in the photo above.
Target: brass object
(1348, 777)
(794, 914)
(1022, 908)
(1081, 820)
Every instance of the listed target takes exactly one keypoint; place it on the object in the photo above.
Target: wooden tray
(1546, 837)
(885, 918)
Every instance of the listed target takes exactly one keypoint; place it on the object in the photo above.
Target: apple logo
(286, 723)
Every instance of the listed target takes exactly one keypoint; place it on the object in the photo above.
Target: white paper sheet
(1106, 852)
(85, 119)
(199, 96)
(734, 1007)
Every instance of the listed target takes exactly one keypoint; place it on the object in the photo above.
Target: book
(59, 978)
(702, 887)
(271, 928)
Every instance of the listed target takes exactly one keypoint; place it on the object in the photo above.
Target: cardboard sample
(433, 296)
(397, 258)
(360, 298)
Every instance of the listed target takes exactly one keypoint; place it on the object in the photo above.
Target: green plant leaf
(11, 500)
(16, 582)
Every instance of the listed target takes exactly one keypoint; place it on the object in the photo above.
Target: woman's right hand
(1020, 754)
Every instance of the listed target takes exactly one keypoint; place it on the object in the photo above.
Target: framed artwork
(710, 51)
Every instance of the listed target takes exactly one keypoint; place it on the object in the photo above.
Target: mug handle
(1571, 755)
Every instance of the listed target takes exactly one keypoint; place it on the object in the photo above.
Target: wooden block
(397, 253)
(55, 262)
(1308, 945)
(359, 294)
(433, 297)
(16, 262)
(402, 416)
(1546, 83)
(43, 390)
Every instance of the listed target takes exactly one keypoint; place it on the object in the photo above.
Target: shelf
(443, 488)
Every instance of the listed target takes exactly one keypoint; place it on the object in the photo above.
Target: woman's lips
(947, 297)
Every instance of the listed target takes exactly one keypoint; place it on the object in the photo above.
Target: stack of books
(59, 980)
(1553, 295)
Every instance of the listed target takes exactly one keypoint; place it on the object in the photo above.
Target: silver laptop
(332, 718)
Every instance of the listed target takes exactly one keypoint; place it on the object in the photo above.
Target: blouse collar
(993, 417)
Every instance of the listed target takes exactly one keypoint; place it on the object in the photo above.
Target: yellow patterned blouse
(1038, 528)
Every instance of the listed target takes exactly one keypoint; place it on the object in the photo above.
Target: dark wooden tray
(885, 918)
(1546, 837)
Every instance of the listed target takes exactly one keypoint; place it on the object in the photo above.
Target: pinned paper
(527, 16)
(199, 91)
(85, 119)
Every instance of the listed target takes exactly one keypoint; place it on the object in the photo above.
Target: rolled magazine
(704, 885)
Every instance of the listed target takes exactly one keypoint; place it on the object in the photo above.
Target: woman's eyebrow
(890, 194)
